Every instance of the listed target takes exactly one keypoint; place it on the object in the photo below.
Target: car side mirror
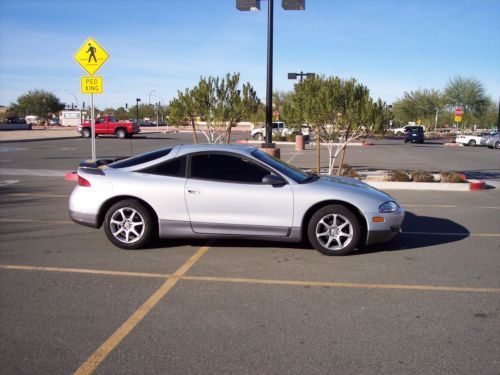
(272, 179)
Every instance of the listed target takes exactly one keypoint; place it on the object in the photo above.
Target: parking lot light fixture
(246, 5)
(301, 75)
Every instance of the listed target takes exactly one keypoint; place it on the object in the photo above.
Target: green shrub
(347, 170)
(447, 176)
(398, 175)
(422, 176)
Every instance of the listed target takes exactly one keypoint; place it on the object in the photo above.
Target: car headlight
(388, 207)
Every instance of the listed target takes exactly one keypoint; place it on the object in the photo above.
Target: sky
(158, 47)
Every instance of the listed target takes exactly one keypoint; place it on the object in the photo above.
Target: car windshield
(140, 159)
(288, 170)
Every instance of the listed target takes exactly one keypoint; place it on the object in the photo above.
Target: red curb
(367, 144)
(242, 141)
(453, 144)
(476, 184)
(71, 176)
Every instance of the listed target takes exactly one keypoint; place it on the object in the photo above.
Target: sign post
(91, 56)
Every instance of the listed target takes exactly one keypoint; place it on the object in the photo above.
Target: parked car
(279, 127)
(54, 121)
(228, 191)
(109, 125)
(414, 134)
(493, 140)
(485, 137)
(403, 130)
(470, 140)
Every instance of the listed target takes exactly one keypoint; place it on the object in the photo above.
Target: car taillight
(83, 182)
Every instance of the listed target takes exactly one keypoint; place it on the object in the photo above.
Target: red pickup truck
(109, 125)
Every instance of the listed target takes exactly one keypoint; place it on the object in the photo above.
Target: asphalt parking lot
(426, 302)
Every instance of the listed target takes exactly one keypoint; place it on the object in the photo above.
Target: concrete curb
(252, 142)
(470, 185)
(453, 144)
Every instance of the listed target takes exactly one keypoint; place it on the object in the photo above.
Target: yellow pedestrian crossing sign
(91, 56)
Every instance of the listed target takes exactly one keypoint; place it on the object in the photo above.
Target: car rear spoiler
(93, 166)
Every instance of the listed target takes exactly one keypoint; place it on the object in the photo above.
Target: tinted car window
(173, 167)
(139, 159)
(222, 167)
(288, 170)
(100, 120)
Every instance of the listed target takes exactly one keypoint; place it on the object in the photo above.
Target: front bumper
(376, 236)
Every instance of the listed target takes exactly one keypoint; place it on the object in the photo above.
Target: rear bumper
(88, 220)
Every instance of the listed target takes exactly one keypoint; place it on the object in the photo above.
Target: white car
(279, 127)
(470, 140)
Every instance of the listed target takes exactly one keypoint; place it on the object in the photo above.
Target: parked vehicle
(485, 137)
(279, 127)
(470, 140)
(109, 125)
(493, 140)
(414, 134)
(54, 121)
(404, 129)
(198, 191)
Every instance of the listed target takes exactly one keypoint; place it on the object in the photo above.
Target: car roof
(205, 147)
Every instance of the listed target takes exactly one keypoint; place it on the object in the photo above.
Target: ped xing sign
(458, 118)
(91, 56)
(91, 85)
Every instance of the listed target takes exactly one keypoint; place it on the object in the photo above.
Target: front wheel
(86, 133)
(334, 230)
(129, 225)
(497, 144)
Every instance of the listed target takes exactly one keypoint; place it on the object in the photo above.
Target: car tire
(129, 225)
(497, 144)
(334, 230)
(258, 136)
(86, 133)
(120, 133)
(399, 134)
(471, 143)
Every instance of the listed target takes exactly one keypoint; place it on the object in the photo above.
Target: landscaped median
(422, 180)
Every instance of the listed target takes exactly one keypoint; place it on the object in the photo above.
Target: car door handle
(193, 191)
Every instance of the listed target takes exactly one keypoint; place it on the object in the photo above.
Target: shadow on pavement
(421, 231)
(418, 232)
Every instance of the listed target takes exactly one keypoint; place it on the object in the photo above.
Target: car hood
(353, 185)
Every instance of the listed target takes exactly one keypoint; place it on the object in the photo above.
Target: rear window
(140, 159)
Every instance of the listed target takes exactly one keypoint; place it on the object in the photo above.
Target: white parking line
(32, 172)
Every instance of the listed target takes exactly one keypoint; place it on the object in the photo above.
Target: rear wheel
(120, 133)
(497, 144)
(129, 225)
(334, 230)
(86, 133)
(471, 143)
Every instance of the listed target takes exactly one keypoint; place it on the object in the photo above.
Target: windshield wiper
(312, 177)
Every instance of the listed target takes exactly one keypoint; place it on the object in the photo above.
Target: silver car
(228, 191)
(493, 140)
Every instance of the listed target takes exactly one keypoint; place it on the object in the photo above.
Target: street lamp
(301, 75)
(149, 99)
(76, 99)
(137, 109)
(246, 5)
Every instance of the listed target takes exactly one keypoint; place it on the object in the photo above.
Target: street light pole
(245, 5)
(149, 99)
(137, 110)
(269, 85)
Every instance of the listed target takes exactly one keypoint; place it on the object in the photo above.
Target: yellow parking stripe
(89, 366)
(180, 275)
(342, 285)
(87, 271)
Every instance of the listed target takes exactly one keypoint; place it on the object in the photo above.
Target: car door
(225, 195)
(101, 126)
